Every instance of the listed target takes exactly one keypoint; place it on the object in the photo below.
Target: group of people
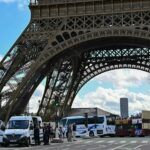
(71, 132)
(48, 134)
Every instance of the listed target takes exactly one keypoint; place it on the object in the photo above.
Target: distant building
(124, 107)
(91, 112)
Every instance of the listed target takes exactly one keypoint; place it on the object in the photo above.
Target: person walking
(37, 135)
(51, 132)
(69, 133)
(46, 135)
(60, 133)
(74, 131)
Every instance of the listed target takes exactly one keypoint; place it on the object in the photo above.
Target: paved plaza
(93, 144)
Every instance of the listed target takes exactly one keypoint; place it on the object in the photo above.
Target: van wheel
(28, 142)
(91, 134)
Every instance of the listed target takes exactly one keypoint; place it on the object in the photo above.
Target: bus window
(76, 120)
(110, 120)
(92, 120)
(100, 120)
(63, 122)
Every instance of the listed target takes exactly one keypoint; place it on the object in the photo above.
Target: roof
(21, 118)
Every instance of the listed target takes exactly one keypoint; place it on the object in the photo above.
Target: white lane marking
(144, 142)
(99, 141)
(86, 142)
(68, 145)
(110, 141)
(122, 142)
(48, 148)
(78, 146)
(25, 148)
(91, 148)
(133, 142)
(138, 147)
(65, 148)
(118, 147)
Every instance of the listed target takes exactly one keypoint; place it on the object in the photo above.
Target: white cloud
(109, 99)
(34, 104)
(124, 78)
(36, 97)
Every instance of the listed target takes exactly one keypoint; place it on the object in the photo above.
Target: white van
(20, 130)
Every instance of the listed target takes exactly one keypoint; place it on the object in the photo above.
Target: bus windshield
(18, 124)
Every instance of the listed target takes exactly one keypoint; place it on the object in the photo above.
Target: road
(93, 144)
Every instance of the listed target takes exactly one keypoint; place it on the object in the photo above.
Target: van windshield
(18, 124)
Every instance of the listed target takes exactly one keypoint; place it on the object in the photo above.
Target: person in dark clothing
(74, 131)
(37, 135)
(46, 135)
(51, 133)
(69, 133)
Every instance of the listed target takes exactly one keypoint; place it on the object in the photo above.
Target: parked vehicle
(130, 127)
(96, 125)
(124, 127)
(20, 130)
(146, 122)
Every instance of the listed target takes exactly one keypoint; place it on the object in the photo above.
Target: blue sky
(14, 16)
(104, 91)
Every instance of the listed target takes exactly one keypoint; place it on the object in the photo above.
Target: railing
(44, 2)
(48, 2)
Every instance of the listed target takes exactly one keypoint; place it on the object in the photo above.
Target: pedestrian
(74, 131)
(46, 135)
(51, 132)
(69, 133)
(60, 133)
(37, 135)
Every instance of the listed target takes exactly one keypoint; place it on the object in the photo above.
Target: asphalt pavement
(141, 143)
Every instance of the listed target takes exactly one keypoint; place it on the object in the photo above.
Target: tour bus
(97, 125)
(20, 130)
(129, 127)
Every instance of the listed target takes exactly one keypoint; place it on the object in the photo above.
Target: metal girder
(69, 43)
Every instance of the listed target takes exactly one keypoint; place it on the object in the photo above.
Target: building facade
(124, 107)
(90, 111)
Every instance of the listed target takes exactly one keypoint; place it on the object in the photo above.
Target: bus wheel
(91, 134)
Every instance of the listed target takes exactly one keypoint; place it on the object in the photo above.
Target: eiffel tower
(68, 42)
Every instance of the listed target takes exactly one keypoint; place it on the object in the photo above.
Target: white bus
(97, 126)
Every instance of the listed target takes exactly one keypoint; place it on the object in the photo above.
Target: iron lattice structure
(69, 42)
